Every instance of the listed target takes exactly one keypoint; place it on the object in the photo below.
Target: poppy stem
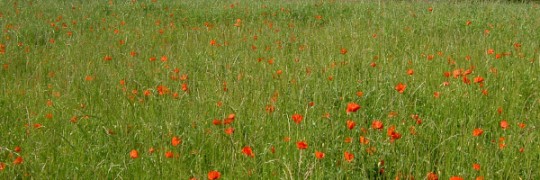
(300, 165)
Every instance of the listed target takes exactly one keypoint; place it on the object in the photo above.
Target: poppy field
(307, 89)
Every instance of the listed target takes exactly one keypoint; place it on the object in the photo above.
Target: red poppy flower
(301, 145)
(49, 103)
(432, 176)
(391, 132)
(107, 58)
(185, 87)
(229, 131)
(319, 155)
(457, 72)
(269, 108)
(478, 132)
(446, 83)
(238, 23)
(400, 88)
(504, 124)
(248, 151)
(412, 130)
(485, 92)
(456, 178)
(522, 125)
(502, 145)
(348, 156)
(134, 154)
(348, 140)
(216, 122)
(446, 74)
(478, 79)
(164, 58)
(376, 124)
(169, 154)
(410, 72)
(467, 72)
(89, 78)
(162, 90)
(517, 45)
(184, 77)
(231, 116)
(2, 166)
(175, 95)
(436, 94)
(147, 92)
(229, 119)
(286, 138)
(430, 57)
(468, 58)
(416, 118)
(364, 140)
(18, 160)
(350, 124)
(476, 166)
(297, 118)
(343, 51)
(352, 107)
(175, 141)
(2, 49)
(214, 175)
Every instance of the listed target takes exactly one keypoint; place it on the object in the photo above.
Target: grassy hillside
(177, 90)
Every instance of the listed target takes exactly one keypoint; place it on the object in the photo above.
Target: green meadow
(306, 89)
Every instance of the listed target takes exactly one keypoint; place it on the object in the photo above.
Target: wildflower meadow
(284, 89)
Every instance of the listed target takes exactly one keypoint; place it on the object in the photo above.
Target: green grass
(96, 121)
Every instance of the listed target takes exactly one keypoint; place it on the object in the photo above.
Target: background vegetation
(192, 86)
